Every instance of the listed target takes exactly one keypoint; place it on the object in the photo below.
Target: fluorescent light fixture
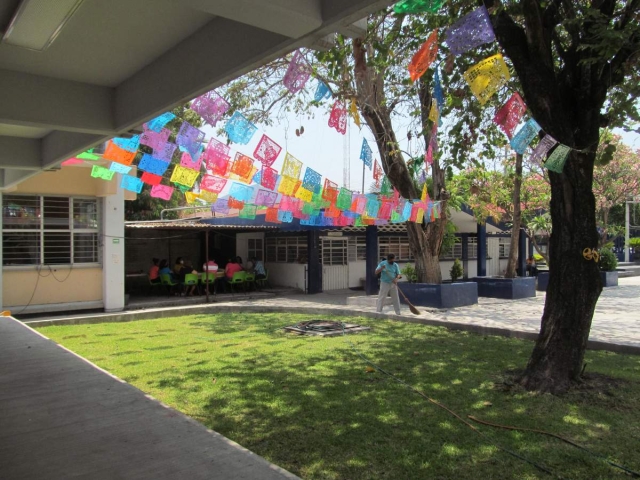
(37, 23)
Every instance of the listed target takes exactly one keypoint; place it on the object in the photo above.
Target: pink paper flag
(162, 191)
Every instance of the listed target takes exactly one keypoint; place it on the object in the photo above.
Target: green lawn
(310, 405)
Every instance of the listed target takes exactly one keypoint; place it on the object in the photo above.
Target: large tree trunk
(574, 282)
(372, 105)
(517, 220)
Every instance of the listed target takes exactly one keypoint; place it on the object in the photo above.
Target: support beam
(11, 177)
(371, 239)
(314, 267)
(522, 254)
(113, 252)
(464, 237)
(626, 230)
(291, 18)
(201, 62)
(43, 102)
(20, 153)
(482, 249)
(59, 146)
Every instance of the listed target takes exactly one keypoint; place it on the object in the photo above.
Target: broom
(413, 309)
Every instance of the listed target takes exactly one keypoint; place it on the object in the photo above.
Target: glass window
(399, 246)
(39, 230)
(286, 249)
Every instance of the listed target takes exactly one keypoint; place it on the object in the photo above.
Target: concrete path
(616, 320)
(62, 417)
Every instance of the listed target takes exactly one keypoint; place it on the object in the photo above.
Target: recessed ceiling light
(37, 23)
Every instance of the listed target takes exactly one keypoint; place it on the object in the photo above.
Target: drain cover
(325, 328)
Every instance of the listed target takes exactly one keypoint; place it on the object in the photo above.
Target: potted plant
(608, 263)
(439, 295)
(456, 270)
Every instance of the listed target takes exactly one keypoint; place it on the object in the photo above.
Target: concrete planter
(609, 279)
(446, 295)
(543, 281)
(508, 288)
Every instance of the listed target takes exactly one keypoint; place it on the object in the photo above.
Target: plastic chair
(208, 279)
(166, 280)
(250, 279)
(261, 282)
(190, 279)
(238, 279)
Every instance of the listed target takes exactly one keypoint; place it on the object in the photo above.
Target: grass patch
(309, 405)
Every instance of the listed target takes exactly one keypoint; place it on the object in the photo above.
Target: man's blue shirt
(390, 273)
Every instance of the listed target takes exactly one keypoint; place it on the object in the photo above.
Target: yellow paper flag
(486, 78)
(353, 110)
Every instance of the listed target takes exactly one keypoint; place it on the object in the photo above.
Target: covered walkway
(63, 417)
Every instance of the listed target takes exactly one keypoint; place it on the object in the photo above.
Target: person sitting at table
(258, 268)
(154, 271)
(164, 268)
(232, 267)
(177, 268)
(186, 269)
(239, 262)
(210, 266)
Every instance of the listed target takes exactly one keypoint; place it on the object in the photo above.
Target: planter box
(508, 288)
(543, 281)
(446, 295)
(609, 279)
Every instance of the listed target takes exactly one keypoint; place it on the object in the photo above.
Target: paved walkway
(62, 417)
(616, 320)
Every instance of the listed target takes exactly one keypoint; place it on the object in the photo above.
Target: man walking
(389, 276)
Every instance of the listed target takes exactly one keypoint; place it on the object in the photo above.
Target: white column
(626, 231)
(113, 251)
(1, 247)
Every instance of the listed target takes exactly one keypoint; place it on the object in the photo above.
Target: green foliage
(635, 243)
(537, 257)
(410, 273)
(449, 239)
(608, 260)
(456, 270)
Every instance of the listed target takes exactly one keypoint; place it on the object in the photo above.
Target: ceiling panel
(106, 42)
(23, 132)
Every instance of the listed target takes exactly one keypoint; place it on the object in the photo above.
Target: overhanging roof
(187, 225)
(118, 63)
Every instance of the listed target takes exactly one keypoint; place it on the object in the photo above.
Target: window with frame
(504, 245)
(454, 252)
(399, 246)
(357, 248)
(286, 249)
(334, 251)
(255, 248)
(49, 230)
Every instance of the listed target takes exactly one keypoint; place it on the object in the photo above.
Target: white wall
(242, 243)
(287, 274)
(357, 270)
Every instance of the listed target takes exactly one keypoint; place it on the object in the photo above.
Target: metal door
(335, 265)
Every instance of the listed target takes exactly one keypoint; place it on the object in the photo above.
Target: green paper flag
(418, 6)
(557, 159)
(248, 211)
(103, 173)
(386, 189)
(88, 155)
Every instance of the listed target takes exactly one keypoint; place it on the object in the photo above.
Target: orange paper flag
(424, 57)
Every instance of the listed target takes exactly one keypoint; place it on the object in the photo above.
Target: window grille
(49, 230)
(286, 249)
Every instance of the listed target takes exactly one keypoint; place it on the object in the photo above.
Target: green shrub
(608, 260)
(635, 244)
(456, 270)
(537, 257)
(410, 273)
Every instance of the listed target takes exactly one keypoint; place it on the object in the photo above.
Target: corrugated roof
(186, 225)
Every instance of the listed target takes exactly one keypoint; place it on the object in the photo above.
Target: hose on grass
(630, 472)
(451, 412)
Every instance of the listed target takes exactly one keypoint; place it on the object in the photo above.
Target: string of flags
(204, 171)
(485, 79)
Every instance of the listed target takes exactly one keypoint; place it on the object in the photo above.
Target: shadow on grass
(311, 405)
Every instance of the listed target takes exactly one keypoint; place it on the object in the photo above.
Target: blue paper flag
(366, 155)
(322, 92)
(525, 135)
(437, 91)
(128, 144)
(119, 168)
(158, 123)
(131, 183)
(153, 165)
(239, 129)
(240, 192)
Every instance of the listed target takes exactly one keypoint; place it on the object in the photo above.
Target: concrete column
(371, 281)
(113, 251)
(522, 254)
(465, 254)
(314, 267)
(1, 259)
(482, 250)
(626, 231)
